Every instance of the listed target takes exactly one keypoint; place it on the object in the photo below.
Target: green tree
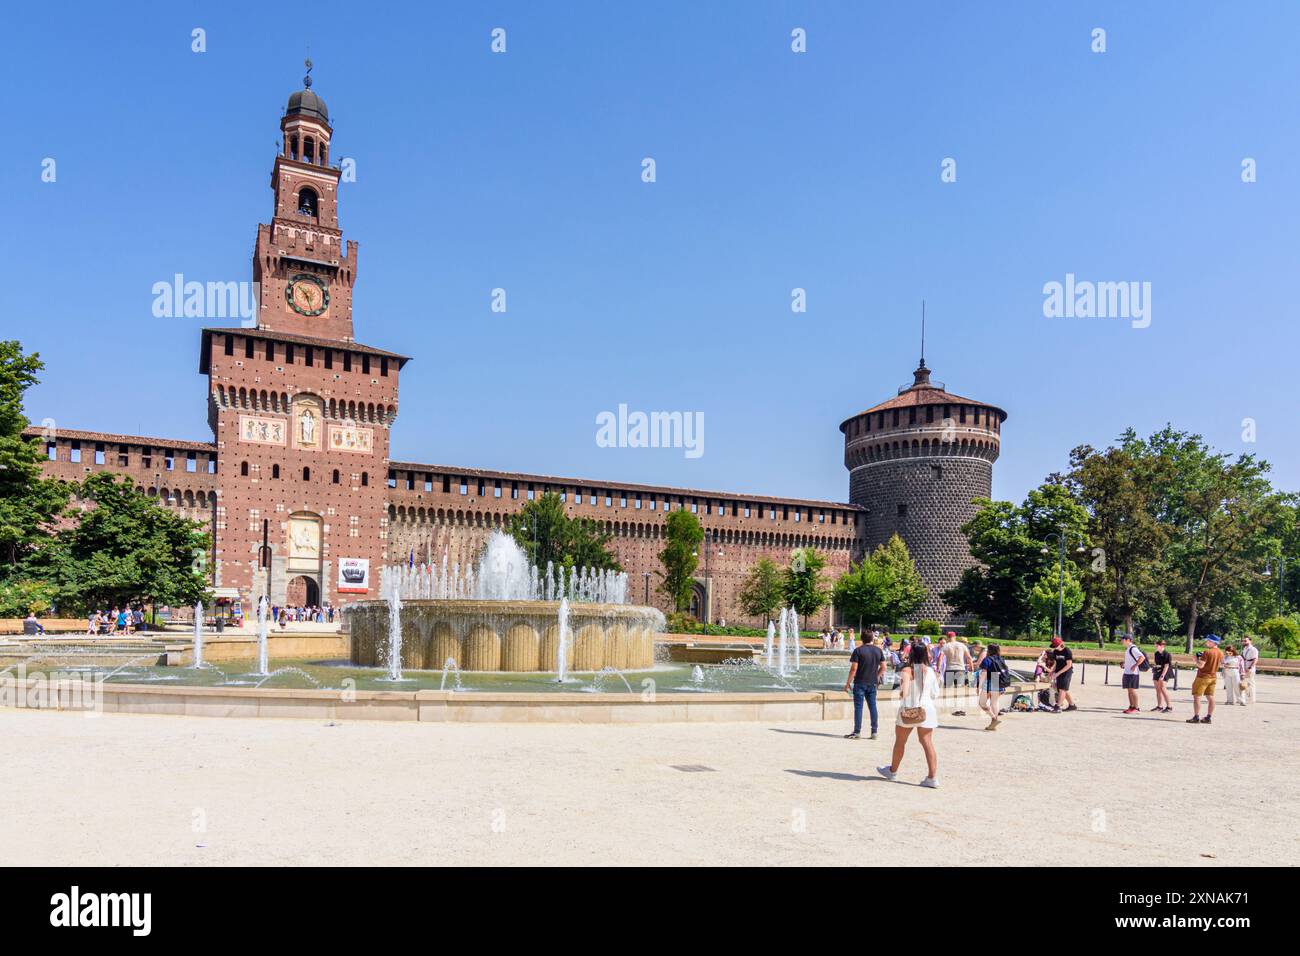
(1282, 634)
(1159, 618)
(860, 593)
(1008, 541)
(682, 534)
(1218, 512)
(904, 590)
(29, 502)
(1045, 596)
(805, 589)
(126, 549)
(1118, 487)
(546, 533)
(762, 591)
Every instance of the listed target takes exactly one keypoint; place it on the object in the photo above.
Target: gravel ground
(1092, 787)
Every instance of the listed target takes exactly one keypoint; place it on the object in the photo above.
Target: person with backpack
(993, 678)
(1134, 663)
(916, 711)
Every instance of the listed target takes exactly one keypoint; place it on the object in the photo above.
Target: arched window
(309, 151)
(243, 469)
(335, 477)
(307, 202)
(306, 474)
(275, 471)
(365, 479)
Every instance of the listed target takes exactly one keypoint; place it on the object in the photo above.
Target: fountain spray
(198, 634)
(261, 637)
(394, 627)
(562, 638)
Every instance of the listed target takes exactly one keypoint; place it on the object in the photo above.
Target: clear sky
(775, 171)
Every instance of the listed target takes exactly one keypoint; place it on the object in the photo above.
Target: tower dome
(916, 462)
(307, 103)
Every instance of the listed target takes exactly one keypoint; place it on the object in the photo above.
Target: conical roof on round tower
(920, 393)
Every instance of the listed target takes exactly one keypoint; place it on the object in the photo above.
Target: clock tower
(300, 410)
(304, 270)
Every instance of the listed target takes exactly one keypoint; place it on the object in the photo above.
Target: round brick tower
(916, 462)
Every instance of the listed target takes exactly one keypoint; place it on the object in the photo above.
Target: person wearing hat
(1206, 681)
(1061, 673)
(1132, 679)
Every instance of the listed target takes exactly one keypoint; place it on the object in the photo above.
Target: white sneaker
(885, 772)
(931, 783)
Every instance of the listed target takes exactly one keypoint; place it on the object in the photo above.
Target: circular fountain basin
(506, 635)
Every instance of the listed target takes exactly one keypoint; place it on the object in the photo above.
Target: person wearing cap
(1132, 679)
(1206, 681)
(1061, 673)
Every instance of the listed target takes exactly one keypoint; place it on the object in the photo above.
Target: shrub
(972, 628)
(928, 627)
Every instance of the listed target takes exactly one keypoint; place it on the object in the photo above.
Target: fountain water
(794, 630)
(394, 596)
(450, 665)
(501, 613)
(771, 632)
(262, 628)
(787, 657)
(780, 662)
(198, 635)
(562, 639)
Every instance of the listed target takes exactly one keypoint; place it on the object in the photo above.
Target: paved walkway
(1091, 787)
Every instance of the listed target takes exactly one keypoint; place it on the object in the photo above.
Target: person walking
(866, 671)
(1134, 659)
(1206, 680)
(917, 712)
(991, 679)
(1061, 674)
(1231, 675)
(1161, 670)
(1249, 660)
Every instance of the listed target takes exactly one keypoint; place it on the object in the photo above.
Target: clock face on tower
(307, 295)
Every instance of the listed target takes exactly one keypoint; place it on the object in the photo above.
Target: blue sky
(775, 170)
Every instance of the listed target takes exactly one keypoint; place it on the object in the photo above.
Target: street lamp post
(1061, 538)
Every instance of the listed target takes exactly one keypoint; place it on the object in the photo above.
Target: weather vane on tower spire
(922, 333)
(306, 80)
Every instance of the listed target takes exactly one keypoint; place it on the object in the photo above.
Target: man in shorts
(1060, 675)
(1206, 681)
(1133, 659)
(1249, 663)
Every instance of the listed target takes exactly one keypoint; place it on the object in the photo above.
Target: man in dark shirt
(1061, 673)
(866, 670)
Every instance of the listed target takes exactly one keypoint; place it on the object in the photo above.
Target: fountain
(394, 599)
(503, 614)
(262, 627)
(771, 632)
(788, 633)
(562, 639)
(198, 635)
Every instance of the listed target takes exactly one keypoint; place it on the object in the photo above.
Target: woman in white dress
(916, 711)
(1232, 674)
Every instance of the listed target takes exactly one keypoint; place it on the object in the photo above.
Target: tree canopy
(546, 533)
